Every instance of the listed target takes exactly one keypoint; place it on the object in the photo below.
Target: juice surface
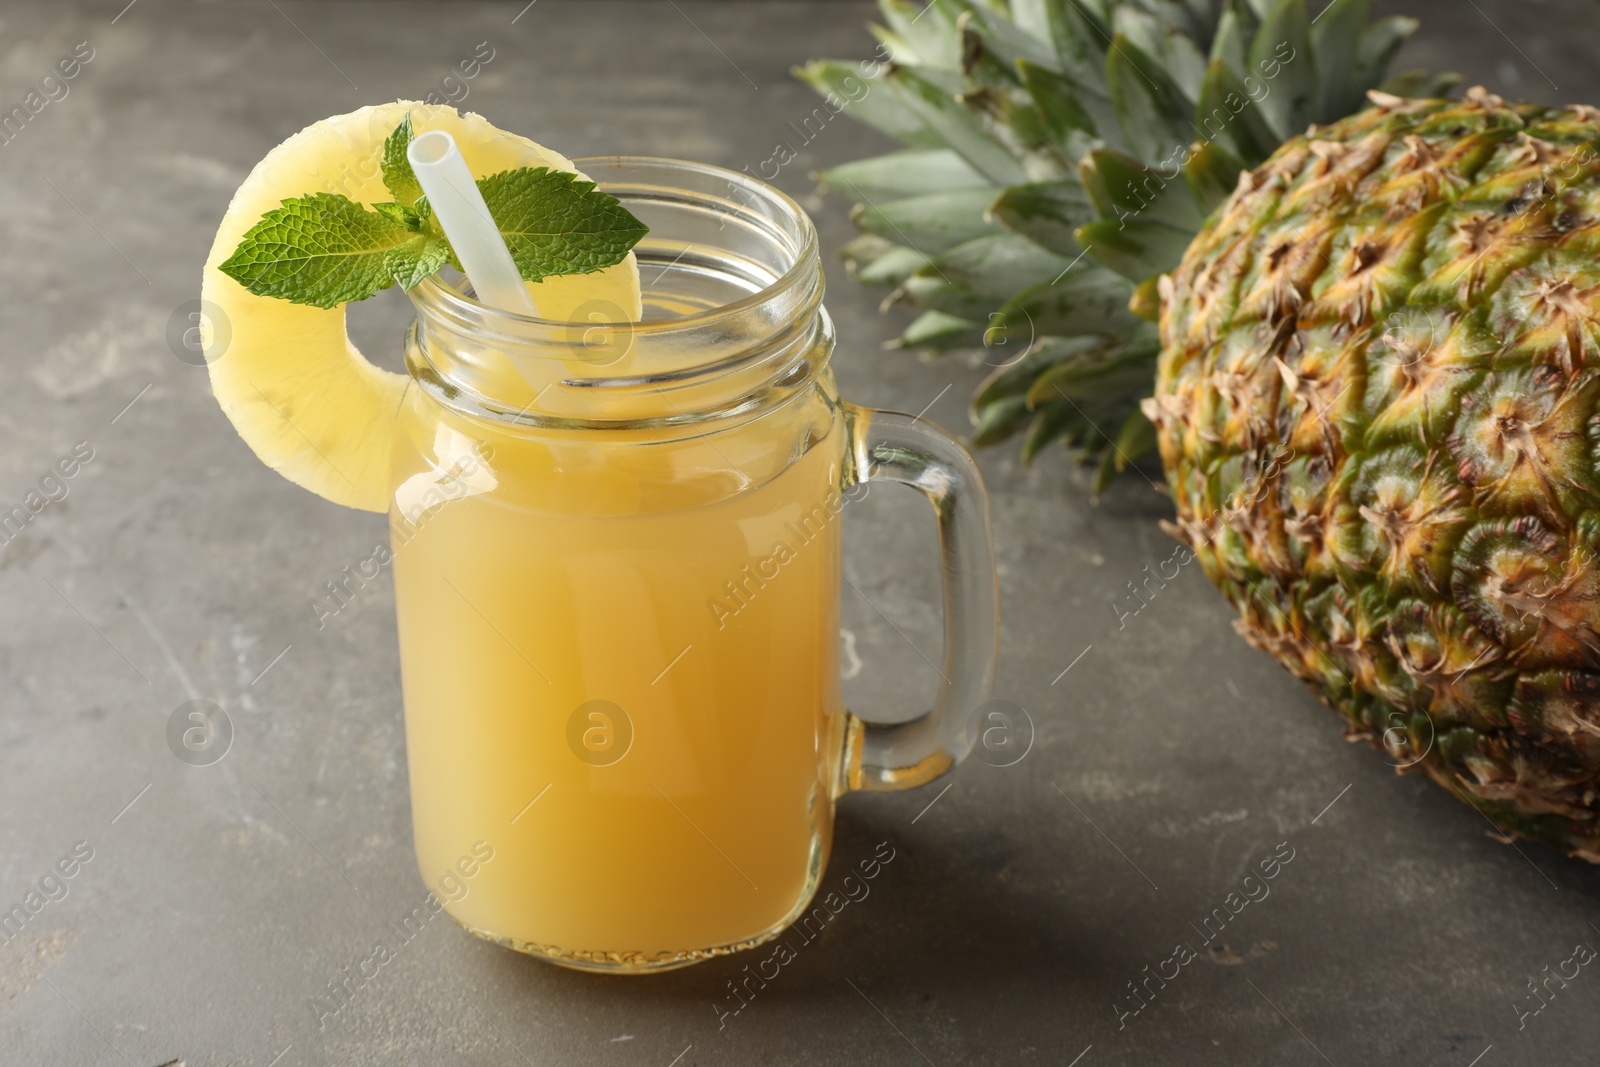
(620, 671)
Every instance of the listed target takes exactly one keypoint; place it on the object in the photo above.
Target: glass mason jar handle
(888, 446)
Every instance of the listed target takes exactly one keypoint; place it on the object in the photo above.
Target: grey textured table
(1022, 902)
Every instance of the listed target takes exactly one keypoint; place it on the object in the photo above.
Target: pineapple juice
(648, 732)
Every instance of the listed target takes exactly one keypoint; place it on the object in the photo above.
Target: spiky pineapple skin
(1376, 407)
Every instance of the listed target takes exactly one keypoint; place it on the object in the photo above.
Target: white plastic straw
(459, 207)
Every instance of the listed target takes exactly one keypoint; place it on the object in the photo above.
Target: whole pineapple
(1061, 154)
(1377, 409)
(1379, 360)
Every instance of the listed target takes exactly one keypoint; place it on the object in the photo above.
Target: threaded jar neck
(732, 290)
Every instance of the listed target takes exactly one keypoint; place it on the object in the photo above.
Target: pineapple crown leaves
(1059, 156)
(324, 249)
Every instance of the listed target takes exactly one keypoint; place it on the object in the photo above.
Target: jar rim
(742, 309)
(448, 298)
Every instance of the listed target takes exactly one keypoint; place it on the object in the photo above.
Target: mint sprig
(325, 249)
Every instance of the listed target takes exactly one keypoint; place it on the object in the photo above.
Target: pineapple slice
(298, 391)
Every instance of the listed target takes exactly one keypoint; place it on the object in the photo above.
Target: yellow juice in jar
(620, 673)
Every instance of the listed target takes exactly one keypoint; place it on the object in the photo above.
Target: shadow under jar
(616, 562)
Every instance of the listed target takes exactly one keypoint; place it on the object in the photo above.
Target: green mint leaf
(555, 223)
(397, 172)
(417, 259)
(409, 217)
(323, 250)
